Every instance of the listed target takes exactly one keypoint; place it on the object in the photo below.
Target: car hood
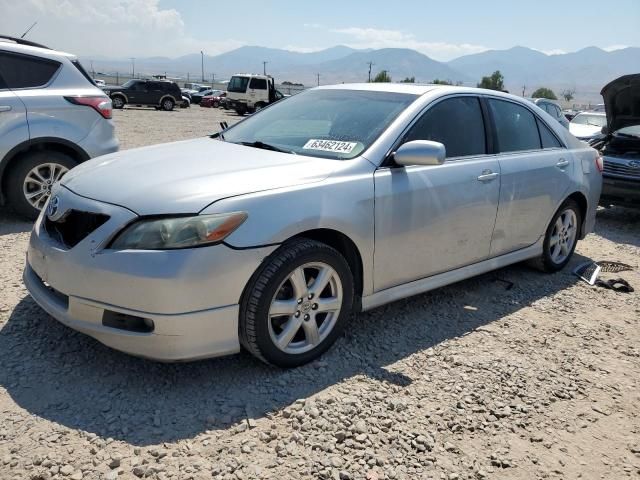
(185, 177)
(582, 131)
(622, 102)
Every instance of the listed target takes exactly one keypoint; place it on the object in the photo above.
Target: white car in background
(587, 125)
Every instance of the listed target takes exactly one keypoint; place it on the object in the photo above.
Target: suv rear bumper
(101, 140)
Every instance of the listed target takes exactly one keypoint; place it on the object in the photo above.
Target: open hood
(622, 102)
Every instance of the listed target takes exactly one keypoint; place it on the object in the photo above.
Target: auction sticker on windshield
(330, 146)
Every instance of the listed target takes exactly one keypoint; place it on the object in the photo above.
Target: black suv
(155, 93)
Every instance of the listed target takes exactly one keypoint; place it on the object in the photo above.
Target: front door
(432, 219)
(535, 176)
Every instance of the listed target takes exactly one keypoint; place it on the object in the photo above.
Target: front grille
(621, 169)
(74, 226)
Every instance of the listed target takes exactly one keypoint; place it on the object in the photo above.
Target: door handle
(562, 163)
(488, 176)
(5, 108)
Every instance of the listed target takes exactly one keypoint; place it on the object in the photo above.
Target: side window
(457, 123)
(549, 140)
(258, 84)
(3, 84)
(558, 111)
(23, 71)
(139, 86)
(516, 127)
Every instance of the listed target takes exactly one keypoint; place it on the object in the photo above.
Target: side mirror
(420, 152)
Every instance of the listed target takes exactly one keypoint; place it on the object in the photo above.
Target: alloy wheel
(38, 182)
(305, 308)
(563, 236)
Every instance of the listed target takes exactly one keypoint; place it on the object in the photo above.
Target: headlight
(178, 232)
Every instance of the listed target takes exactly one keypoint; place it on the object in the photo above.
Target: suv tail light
(100, 103)
(599, 163)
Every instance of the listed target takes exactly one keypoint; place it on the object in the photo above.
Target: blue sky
(440, 29)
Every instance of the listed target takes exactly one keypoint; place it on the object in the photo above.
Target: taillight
(100, 104)
(600, 163)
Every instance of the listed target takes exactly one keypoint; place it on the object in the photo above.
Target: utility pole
(213, 79)
(318, 75)
(202, 64)
(133, 67)
(524, 89)
(93, 72)
(264, 67)
(371, 64)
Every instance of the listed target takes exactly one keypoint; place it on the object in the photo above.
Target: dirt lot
(472, 381)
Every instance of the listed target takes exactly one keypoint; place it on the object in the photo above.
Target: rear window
(516, 127)
(238, 84)
(547, 137)
(84, 73)
(24, 71)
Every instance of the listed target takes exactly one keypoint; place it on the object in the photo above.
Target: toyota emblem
(634, 164)
(53, 206)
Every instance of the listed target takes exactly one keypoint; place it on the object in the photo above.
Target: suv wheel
(295, 307)
(168, 104)
(117, 102)
(31, 178)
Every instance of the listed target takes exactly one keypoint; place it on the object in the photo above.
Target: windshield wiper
(265, 146)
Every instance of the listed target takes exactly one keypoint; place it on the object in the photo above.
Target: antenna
(29, 29)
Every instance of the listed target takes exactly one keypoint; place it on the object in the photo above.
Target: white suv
(52, 117)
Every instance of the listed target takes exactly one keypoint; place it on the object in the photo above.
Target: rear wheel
(168, 104)
(259, 106)
(295, 307)
(31, 178)
(241, 109)
(561, 238)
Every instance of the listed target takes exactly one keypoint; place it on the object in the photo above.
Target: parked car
(620, 146)
(587, 125)
(186, 102)
(52, 117)
(552, 108)
(197, 97)
(249, 93)
(162, 94)
(99, 83)
(212, 100)
(193, 88)
(270, 233)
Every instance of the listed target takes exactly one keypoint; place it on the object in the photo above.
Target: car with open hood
(270, 233)
(620, 145)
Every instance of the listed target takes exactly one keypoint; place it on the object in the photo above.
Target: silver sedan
(337, 200)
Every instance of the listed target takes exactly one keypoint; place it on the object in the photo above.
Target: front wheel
(117, 102)
(168, 104)
(561, 238)
(295, 307)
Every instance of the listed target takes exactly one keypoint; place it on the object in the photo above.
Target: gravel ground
(472, 381)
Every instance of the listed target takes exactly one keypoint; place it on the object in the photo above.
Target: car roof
(417, 89)
(10, 45)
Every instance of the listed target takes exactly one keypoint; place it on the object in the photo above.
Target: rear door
(535, 175)
(431, 219)
(13, 119)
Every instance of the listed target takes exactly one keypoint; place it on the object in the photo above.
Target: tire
(118, 102)
(259, 106)
(215, 104)
(168, 104)
(259, 329)
(21, 179)
(241, 110)
(556, 252)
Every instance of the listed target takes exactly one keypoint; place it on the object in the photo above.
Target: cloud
(381, 38)
(106, 27)
(555, 51)
(299, 49)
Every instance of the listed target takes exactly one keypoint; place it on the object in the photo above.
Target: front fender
(344, 202)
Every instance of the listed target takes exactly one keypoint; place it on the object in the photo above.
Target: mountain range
(585, 71)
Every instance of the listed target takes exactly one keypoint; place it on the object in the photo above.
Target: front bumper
(191, 295)
(620, 191)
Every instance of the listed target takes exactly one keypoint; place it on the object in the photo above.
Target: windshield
(238, 84)
(130, 83)
(586, 119)
(335, 124)
(633, 130)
